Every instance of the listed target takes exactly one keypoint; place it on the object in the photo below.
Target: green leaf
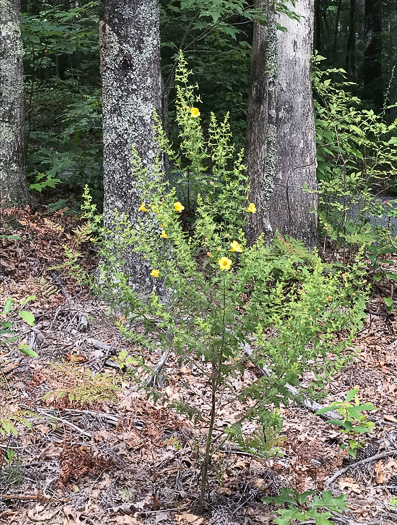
(388, 303)
(30, 298)
(354, 412)
(7, 306)
(26, 350)
(28, 317)
(350, 395)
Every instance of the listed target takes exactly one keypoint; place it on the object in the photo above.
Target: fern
(10, 419)
(285, 245)
(86, 387)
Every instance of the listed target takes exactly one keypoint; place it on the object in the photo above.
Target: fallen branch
(358, 463)
(154, 377)
(313, 406)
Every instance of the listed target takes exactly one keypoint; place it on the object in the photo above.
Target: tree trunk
(288, 158)
(131, 90)
(350, 60)
(257, 125)
(393, 61)
(13, 188)
(373, 82)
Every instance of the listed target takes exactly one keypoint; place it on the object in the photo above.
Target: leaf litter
(129, 461)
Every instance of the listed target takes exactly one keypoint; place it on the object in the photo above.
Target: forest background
(62, 75)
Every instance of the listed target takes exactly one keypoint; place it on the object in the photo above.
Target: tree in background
(13, 188)
(281, 145)
(131, 90)
(373, 80)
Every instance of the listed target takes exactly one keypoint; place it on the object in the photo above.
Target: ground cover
(123, 459)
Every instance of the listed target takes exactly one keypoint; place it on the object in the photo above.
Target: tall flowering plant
(222, 294)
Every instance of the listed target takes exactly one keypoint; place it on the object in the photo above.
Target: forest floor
(127, 460)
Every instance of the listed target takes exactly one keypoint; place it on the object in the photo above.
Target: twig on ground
(340, 472)
(65, 422)
(313, 406)
(154, 378)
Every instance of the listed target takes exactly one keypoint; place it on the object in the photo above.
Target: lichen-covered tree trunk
(13, 188)
(131, 90)
(289, 164)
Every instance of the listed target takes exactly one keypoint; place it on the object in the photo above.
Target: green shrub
(222, 294)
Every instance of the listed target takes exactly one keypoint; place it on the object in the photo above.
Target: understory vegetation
(263, 327)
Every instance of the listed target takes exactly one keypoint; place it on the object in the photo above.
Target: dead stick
(361, 462)
(313, 406)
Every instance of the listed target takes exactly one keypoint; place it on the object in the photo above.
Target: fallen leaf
(380, 472)
(39, 513)
(348, 483)
(127, 520)
(186, 517)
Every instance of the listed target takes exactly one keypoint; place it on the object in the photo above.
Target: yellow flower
(178, 207)
(235, 247)
(251, 208)
(143, 207)
(154, 273)
(164, 235)
(209, 254)
(225, 263)
(194, 112)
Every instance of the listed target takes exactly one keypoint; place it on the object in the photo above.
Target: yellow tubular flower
(225, 263)
(178, 207)
(164, 235)
(251, 208)
(194, 112)
(154, 273)
(235, 247)
(143, 207)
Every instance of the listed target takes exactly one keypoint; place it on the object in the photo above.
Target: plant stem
(215, 382)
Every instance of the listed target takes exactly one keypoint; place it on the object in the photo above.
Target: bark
(13, 188)
(257, 125)
(350, 61)
(131, 91)
(373, 81)
(289, 133)
(393, 61)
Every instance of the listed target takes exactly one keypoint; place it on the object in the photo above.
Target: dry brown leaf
(187, 517)
(390, 418)
(127, 520)
(380, 472)
(39, 513)
(348, 483)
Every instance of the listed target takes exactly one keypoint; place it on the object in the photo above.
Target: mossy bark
(13, 188)
(284, 135)
(131, 90)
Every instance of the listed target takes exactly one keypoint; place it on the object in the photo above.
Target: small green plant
(6, 325)
(354, 422)
(301, 507)
(393, 504)
(8, 420)
(87, 387)
(128, 363)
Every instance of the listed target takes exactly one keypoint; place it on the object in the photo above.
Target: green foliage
(8, 420)
(220, 293)
(6, 325)
(356, 158)
(300, 507)
(63, 100)
(87, 387)
(354, 423)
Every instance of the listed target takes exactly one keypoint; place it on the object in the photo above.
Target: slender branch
(361, 462)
